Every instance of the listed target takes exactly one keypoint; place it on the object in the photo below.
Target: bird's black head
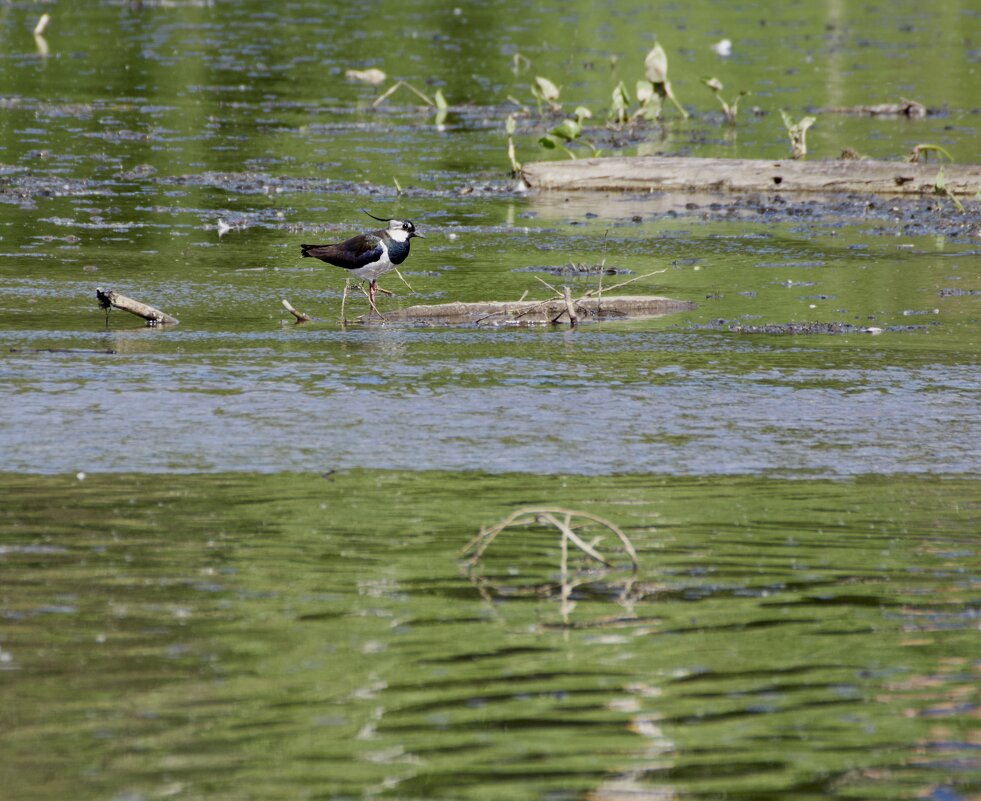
(407, 226)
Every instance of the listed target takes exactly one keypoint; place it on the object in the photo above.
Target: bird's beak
(415, 234)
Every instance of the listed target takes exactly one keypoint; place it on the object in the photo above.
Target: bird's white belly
(371, 271)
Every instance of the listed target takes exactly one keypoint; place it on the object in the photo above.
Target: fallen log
(657, 173)
(553, 311)
(110, 299)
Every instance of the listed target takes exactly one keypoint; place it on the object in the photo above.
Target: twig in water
(570, 307)
(402, 279)
(392, 89)
(542, 280)
(300, 316)
(592, 292)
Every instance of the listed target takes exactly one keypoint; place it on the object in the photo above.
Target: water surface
(228, 636)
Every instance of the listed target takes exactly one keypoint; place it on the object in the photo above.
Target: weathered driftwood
(108, 298)
(532, 312)
(656, 173)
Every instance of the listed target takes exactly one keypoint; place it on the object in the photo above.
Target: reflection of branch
(566, 522)
(529, 515)
(566, 530)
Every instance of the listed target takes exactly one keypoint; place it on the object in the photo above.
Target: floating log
(656, 173)
(531, 312)
(110, 299)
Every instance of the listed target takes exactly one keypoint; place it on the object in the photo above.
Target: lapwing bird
(368, 256)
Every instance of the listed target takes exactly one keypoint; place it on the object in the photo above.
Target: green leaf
(656, 65)
(547, 142)
(567, 130)
(548, 90)
(644, 91)
(440, 101)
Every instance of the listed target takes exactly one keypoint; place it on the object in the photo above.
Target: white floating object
(722, 48)
(372, 76)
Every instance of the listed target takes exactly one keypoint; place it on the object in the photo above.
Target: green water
(229, 550)
(297, 636)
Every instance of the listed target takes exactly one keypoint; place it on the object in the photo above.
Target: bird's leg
(347, 286)
(371, 299)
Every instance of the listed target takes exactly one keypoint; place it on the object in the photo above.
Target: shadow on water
(228, 635)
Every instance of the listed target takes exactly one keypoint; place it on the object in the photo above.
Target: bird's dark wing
(351, 253)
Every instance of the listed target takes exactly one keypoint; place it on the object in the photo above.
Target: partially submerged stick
(300, 316)
(570, 307)
(108, 299)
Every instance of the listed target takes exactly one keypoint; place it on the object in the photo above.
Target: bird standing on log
(368, 256)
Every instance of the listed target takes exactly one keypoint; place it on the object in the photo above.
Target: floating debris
(372, 76)
(722, 48)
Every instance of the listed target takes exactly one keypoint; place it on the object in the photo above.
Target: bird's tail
(305, 250)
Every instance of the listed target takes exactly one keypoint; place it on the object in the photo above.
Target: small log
(532, 312)
(110, 299)
(657, 173)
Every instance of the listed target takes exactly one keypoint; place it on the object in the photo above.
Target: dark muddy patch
(797, 329)
(884, 216)
(574, 270)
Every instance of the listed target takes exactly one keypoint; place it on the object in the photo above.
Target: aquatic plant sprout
(656, 69)
(729, 109)
(546, 92)
(797, 131)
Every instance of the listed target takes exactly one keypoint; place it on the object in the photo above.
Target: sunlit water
(229, 550)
